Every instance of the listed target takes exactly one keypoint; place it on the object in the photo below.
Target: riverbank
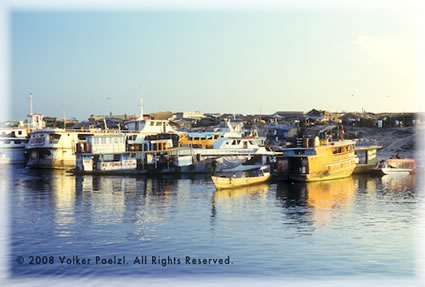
(404, 141)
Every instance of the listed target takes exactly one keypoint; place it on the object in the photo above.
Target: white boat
(396, 166)
(13, 149)
(55, 148)
(241, 176)
(226, 153)
(104, 153)
(14, 139)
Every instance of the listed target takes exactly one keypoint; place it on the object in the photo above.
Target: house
(189, 115)
(278, 134)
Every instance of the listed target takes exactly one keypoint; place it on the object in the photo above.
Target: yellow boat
(323, 161)
(241, 176)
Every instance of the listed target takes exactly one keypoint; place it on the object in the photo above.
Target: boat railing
(97, 131)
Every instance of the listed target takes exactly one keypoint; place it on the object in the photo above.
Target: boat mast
(141, 109)
(30, 115)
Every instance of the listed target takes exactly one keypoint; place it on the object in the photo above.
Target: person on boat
(396, 156)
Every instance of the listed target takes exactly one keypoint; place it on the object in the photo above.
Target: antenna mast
(30, 115)
(141, 108)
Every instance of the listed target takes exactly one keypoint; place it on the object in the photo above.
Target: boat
(14, 139)
(366, 156)
(207, 139)
(241, 176)
(322, 161)
(55, 147)
(225, 154)
(13, 148)
(395, 166)
(104, 153)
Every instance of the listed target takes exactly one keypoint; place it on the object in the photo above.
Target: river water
(63, 225)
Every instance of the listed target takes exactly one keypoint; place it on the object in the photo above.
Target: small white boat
(396, 166)
(241, 176)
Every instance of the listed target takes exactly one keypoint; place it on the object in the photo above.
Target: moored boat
(323, 161)
(13, 148)
(241, 176)
(104, 153)
(366, 156)
(395, 166)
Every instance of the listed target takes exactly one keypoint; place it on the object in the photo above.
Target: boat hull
(230, 182)
(342, 173)
(363, 168)
(389, 171)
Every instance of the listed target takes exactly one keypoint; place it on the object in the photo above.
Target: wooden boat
(323, 161)
(241, 176)
(366, 157)
(396, 166)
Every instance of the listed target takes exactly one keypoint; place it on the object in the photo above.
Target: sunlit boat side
(396, 166)
(321, 162)
(241, 176)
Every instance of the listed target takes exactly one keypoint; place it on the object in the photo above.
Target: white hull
(51, 158)
(15, 155)
(13, 149)
(400, 171)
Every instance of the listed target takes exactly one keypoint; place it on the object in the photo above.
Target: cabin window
(362, 155)
(103, 141)
(158, 124)
(54, 138)
(152, 123)
(19, 132)
(233, 142)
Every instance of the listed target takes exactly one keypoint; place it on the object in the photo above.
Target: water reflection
(138, 204)
(315, 204)
(399, 183)
(358, 224)
(259, 190)
(63, 188)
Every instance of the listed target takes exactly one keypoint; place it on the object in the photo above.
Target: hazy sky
(241, 61)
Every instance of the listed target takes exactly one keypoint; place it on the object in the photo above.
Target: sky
(80, 62)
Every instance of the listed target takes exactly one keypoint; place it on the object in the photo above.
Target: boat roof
(370, 147)
(203, 135)
(400, 160)
(330, 144)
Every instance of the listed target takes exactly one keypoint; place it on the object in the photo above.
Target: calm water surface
(361, 226)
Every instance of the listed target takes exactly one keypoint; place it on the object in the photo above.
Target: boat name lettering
(37, 141)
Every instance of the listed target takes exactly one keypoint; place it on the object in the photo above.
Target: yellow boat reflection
(327, 196)
(242, 191)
